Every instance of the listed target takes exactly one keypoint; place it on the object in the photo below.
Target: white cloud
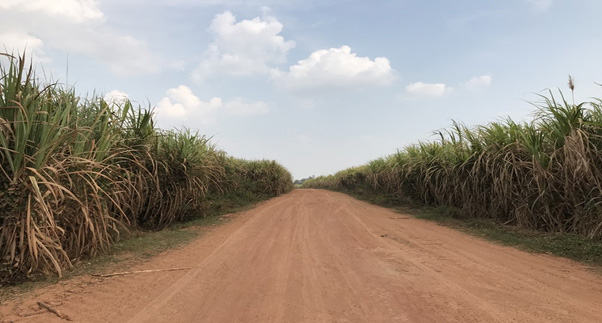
(243, 48)
(288, 5)
(16, 42)
(76, 11)
(420, 89)
(116, 97)
(77, 27)
(335, 68)
(478, 82)
(181, 103)
(239, 107)
(541, 5)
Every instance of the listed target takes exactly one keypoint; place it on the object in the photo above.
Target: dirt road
(318, 256)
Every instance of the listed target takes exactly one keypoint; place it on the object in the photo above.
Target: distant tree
(301, 181)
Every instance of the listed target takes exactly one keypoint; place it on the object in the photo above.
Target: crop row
(75, 173)
(545, 174)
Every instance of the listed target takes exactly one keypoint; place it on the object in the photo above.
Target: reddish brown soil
(318, 256)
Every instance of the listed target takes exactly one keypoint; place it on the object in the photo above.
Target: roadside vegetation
(77, 173)
(544, 175)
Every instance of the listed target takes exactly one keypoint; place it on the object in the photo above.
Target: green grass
(571, 246)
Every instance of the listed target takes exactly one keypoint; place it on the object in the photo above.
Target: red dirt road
(318, 256)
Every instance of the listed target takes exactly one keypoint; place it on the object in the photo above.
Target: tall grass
(545, 174)
(77, 172)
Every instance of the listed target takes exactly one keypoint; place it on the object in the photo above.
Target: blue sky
(317, 85)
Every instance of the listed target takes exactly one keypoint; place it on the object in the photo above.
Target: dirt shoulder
(319, 256)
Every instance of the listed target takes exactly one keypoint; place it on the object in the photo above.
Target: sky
(318, 85)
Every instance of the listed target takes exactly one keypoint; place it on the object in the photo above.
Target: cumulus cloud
(421, 89)
(181, 103)
(116, 97)
(74, 26)
(243, 48)
(478, 82)
(334, 68)
(541, 5)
